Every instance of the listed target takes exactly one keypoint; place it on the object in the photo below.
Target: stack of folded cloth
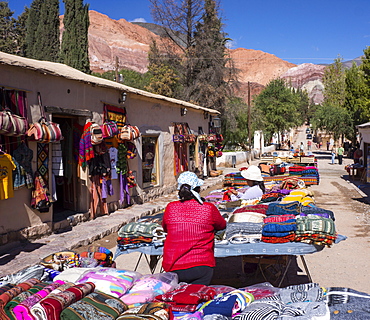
(279, 228)
(303, 196)
(243, 232)
(315, 229)
(235, 179)
(136, 234)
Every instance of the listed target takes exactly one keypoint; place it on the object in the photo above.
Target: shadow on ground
(11, 253)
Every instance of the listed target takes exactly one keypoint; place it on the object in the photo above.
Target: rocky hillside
(111, 39)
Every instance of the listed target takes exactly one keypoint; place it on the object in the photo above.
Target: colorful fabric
(86, 151)
(279, 218)
(283, 208)
(148, 311)
(43, 160)
(96, 305)
(13, 292)
(110, 281)
(6, 176)
(21, 297)
(23, 310)
(186, 297)
(53, 304)
(190, 230)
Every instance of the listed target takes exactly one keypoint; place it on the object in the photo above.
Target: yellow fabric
(290, 198)
(306, 201)
(6, 176)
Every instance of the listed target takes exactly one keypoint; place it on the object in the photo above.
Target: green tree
(130, 78)
(47, 33)
(278, 104)
(207, 85)
(163, 78)
(32, 23)
(75, 44)
(365, 67)
(7, 36)
(355, 102)
(20, 33)
(332, 116)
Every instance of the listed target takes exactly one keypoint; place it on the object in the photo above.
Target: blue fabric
(222, 305)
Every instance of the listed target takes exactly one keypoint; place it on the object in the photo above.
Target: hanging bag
(10, 123)
(44, 131)
(96, 134)
(109, 129)
(129, 132)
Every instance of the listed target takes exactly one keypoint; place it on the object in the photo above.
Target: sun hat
(278, 161)
(192, 180)
(252, 173)
(189, 178)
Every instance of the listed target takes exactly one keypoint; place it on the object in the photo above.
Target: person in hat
(255, 182)
(190, 224)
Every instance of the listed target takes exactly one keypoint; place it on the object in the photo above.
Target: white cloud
(138, 20)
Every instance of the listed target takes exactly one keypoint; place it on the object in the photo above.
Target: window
(150, 161)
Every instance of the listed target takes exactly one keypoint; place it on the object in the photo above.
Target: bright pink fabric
(190, 230)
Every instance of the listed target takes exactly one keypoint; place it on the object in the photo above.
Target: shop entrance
(64, 169)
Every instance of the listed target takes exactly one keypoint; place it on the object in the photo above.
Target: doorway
(64, 169)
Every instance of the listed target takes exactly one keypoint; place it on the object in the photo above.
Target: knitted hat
(252, 173)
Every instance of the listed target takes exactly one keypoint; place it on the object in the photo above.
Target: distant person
(301, 147)
(334, 152)
(357, 155)
(340, 154)
(327, 145)
(309, 145)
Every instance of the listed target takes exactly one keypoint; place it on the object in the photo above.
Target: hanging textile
(6, 176)
(40, 195)
(113, 154)
(86, 151)
(16, 101)
(24, 155)
(125, 198)
(181, 160)
(42, 160)
(117, 114)
(57, 159)
(97, 203)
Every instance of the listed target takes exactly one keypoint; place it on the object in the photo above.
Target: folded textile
(53, 304)
(279, 227)
(149, 286)
(6, 287)
(96, 305)
(242, 228)
(318, 211)
(133, 240)
(279, 218)
(38, 312)
(228, 304)
(23, 310)
(150, 311)
(281, 239)
(246, 217)
(187, 296)
(283, 208)
(109, 280)
(260, 208)
(33, 272)
(21, 297)
(13, 292)
(145, 229)
(306, 292)
(346, 303)
(314, 224)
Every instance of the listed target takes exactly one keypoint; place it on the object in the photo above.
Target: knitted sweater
(190, 230)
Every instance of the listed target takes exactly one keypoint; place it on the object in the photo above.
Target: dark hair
(185, 193)
(261, 184)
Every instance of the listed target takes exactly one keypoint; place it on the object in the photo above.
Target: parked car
(309, 136)
(308, 130)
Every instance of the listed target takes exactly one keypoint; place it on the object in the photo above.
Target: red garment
(190, 230)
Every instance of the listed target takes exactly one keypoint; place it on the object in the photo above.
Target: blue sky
(298, 31)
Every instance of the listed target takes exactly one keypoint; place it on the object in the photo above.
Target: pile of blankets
(146, 231)
(127, 295)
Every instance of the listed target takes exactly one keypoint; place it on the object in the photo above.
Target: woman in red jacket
(190, 224)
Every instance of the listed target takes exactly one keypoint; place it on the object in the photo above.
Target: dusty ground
(344, 264)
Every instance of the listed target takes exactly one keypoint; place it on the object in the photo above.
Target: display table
(257, 250)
